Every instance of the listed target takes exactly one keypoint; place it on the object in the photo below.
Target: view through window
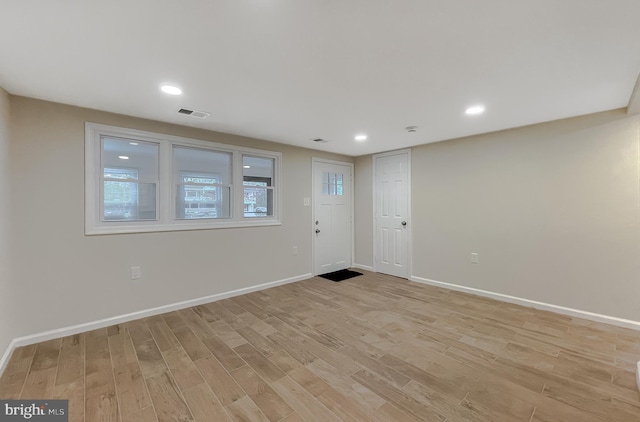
(257, 180)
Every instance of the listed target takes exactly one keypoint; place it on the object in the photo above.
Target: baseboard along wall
(81, 328)
(606, 319)
(363, 267)
(620, 322)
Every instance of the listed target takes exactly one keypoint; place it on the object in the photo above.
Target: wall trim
(7, 355)
(620, 322)
(102, 323)
(363, 267)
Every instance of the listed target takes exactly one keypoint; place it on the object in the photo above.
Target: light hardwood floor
(372, 348)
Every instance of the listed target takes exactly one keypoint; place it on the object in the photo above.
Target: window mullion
(167, 212)
(238, 188)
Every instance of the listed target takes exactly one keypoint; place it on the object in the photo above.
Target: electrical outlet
(474, 258)
(136, 273)
(307, 202)
(295, 250)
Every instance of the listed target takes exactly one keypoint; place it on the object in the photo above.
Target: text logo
(34, 410)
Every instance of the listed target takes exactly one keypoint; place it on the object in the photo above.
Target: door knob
(404, 223)
(317, 230)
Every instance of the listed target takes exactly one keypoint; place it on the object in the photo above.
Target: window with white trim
(140, 182)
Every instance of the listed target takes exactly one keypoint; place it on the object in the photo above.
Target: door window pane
(332, 183)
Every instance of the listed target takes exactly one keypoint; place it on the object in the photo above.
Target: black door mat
(340, 275)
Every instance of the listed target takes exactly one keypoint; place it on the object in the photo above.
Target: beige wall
(5, 226)
(552, 209)
(363, 223)
(68, 278)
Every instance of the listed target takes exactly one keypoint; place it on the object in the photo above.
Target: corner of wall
(5, 227)
(4, 360)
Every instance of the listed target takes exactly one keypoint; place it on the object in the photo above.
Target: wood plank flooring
(372, 348)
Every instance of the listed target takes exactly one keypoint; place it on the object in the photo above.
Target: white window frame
(166, 209)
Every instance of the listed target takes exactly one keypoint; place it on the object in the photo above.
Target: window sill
(180, 226)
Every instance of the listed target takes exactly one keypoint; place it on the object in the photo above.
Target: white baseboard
(81, 328)
(363, 267)
(7, 355)
(620, 322)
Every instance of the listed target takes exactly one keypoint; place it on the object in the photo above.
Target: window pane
(203, 179)
(258, 181)
(258, 202)
(332, 183)
(325, 183)
(202, 163)
(129, 201)
(203, 202)
(130, 174)
(118, 192)
(131, 154)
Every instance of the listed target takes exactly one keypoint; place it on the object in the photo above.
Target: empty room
(278, 210)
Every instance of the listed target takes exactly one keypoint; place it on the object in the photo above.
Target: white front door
(332, 216)
(392, 213)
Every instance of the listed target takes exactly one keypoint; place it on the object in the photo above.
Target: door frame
(314, 165)
(407, 152)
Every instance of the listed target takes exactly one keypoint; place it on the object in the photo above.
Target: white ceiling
(293, 70)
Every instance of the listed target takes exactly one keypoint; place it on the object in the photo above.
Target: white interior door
(392, 214)
(332, 216)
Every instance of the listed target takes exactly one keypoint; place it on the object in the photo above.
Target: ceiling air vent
(194, 113)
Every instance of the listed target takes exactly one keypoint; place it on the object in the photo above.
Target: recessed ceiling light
(361, 137)
(170, 89)
(476, 109)
(123, 157)
(246, 167)
(133, 143)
